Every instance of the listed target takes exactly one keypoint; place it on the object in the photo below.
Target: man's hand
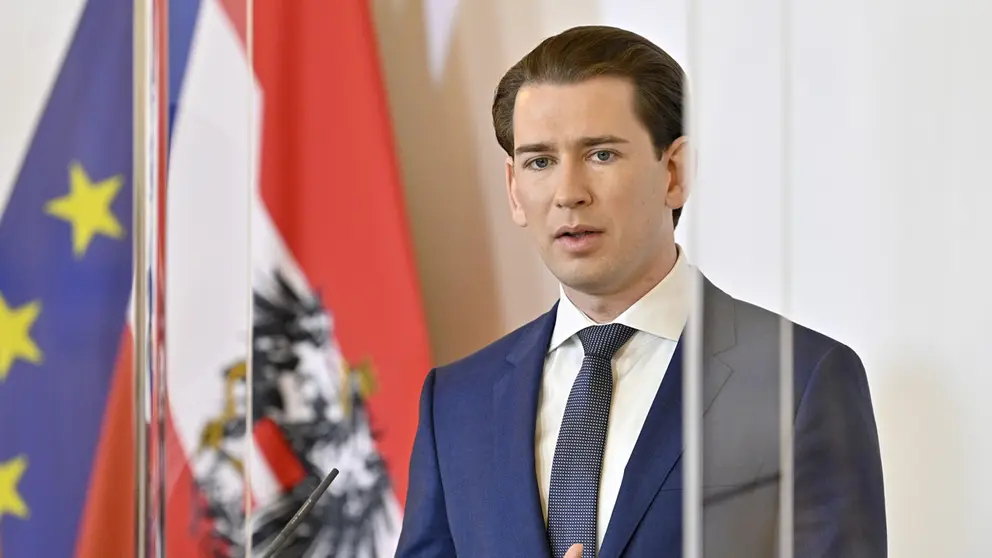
(574, 551)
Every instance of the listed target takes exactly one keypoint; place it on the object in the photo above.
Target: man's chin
(584, 277)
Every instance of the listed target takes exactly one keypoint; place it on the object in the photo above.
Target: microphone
(283, 536)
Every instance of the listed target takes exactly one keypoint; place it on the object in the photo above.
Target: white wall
(887, 148)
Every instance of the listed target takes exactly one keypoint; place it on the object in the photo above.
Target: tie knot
(605, 340)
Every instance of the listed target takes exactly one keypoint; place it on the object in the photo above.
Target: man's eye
(603, 156)
(540, 163)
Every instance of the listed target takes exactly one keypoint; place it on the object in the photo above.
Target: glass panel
(838, 248)
(213, 107)
(340, 344)
(739, 471)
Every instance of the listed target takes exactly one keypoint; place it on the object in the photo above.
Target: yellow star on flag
(87, 208)
(11, 502)
(15, 335)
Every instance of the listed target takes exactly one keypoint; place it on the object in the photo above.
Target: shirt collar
(662, 312)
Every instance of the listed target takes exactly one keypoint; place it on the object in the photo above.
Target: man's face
(585, 179)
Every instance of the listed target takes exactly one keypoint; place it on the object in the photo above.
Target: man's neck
(603, 308)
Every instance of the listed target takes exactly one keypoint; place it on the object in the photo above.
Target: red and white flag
(297, 146)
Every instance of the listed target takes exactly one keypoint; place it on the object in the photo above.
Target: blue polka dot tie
(574, 493)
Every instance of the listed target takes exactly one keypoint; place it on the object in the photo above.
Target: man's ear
(681, 168)
(516, 210)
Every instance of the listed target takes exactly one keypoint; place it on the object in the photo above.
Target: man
(568, 431)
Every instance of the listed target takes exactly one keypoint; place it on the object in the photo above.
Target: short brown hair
(585, 52)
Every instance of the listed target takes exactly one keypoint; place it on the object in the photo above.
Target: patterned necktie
(574, 494)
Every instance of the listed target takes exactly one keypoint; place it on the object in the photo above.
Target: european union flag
(65, 281)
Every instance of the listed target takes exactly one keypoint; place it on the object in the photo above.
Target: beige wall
(480, 278)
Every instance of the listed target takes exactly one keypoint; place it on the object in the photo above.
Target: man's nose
(573, 187)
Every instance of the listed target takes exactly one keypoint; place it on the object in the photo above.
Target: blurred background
(317, 200)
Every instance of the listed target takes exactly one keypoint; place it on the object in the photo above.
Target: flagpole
(143, 177)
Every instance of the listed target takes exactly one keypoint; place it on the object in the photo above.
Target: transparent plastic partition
(206, 439)
(820, 429)
(739, 361)
(279, 313)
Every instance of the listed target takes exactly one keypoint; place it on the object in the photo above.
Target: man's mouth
(576, 232)
(578, 240)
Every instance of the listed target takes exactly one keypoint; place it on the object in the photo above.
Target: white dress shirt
(638, 369)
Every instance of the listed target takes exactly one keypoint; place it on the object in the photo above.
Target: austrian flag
(339, 346)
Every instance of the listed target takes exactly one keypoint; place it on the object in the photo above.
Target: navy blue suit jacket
(473, 488)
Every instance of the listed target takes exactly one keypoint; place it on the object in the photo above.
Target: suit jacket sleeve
(839, 496)
(425, 522)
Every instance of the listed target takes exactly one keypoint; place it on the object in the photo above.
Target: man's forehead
(597, 93)
(553, 113)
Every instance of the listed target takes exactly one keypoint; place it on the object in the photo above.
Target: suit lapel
(515, 400)
(659, 444)
(658, 447)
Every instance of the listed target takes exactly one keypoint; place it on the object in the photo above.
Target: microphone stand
(290, 527)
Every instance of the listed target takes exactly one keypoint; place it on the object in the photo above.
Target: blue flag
(65, 281)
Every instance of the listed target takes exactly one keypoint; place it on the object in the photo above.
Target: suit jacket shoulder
(485, 366)
(839, 505)
(756, 340)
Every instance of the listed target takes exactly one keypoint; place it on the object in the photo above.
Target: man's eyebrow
(601, 140)
(533, 148)
(542, 147)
